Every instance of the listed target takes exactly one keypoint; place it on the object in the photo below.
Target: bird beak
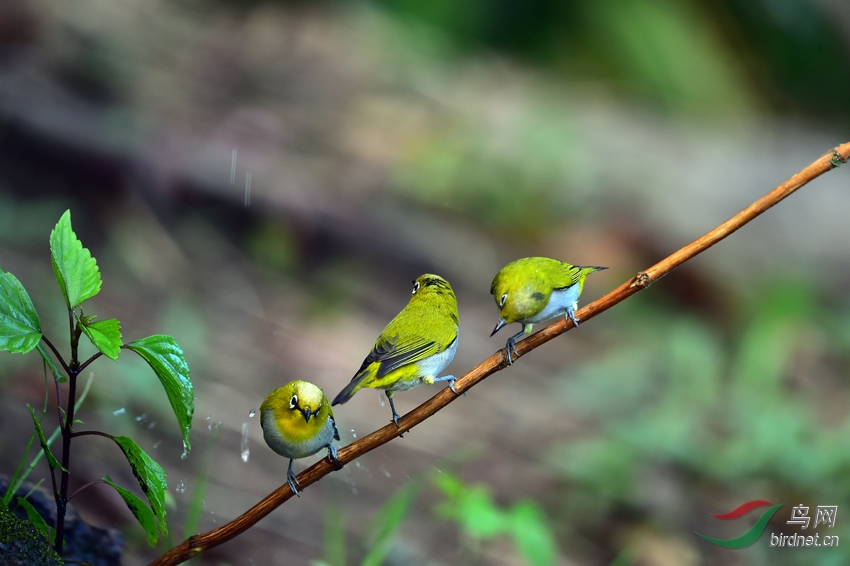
(307, 413)
(499, 326)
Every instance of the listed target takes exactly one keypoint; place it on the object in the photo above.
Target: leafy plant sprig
(20, 332)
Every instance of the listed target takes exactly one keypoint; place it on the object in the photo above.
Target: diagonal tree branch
(197, 544)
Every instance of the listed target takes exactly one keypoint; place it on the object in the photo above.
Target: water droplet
(381, 398)
(357, 464)
(385, 471)
(353, 434)
(209, 417)
(246, 427)
(247, 189)
(181, 486)
(185, 451)
(142, 418)
(120, 411)
(252, 413)
(156, 444)
(152, 425)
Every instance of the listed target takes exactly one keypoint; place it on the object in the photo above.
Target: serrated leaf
(75, 269)
(20, 329)
(140, 510)
(166, 359)
(51, 459)
(37, 520)
(151, 477)
(105, 335)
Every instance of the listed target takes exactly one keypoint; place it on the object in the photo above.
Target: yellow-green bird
(297, 422)
(415, 347)
(534, 289)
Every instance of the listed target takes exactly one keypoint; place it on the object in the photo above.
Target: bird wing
(567, 276)
(396, 352)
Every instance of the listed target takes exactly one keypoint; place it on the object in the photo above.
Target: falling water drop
(353, 434)
(381, 398)
(252, 413)
(245, 450)
(120, 411)
(142, 418)
(156, 444)
(181, 486)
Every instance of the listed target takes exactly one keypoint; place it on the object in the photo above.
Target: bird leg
(392, 407)
(571, 315)
(292, 480)
(451, 379)
(511, 344)
(333, 456)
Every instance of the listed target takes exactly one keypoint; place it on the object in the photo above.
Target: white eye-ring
(415, 287)
(293, 402)
(504, 300)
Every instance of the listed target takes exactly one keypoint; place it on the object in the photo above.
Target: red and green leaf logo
(755, 531)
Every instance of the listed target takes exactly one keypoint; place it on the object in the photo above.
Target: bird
(297, 422)
(415, 347)
(534, 289)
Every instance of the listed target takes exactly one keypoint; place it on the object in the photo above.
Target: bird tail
(588, 269)
(353, 386)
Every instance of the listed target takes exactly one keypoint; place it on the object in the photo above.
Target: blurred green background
(375, 141)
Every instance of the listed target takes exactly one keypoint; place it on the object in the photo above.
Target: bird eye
(415, 287)
(504, 300)
(293, 402)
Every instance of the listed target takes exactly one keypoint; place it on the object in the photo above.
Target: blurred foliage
(480, 518)
(695, 56)
(717, 418)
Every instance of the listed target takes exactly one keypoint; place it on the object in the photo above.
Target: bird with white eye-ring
(297, 422)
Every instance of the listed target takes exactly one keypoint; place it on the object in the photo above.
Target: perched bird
(415, 346)
(534, 289)
(298, 422)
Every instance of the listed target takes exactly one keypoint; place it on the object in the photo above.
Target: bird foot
(333, 456)
(293, 481)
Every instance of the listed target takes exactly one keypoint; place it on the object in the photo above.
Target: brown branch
(197, 544)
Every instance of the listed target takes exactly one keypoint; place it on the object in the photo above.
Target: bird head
(296, 402)
(434, 292)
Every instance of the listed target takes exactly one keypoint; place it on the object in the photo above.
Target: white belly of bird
(291, 449)
(428, 369)
(559, 303)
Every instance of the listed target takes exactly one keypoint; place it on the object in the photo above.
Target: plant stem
(90, 360)
(67, 432)
(81, 488)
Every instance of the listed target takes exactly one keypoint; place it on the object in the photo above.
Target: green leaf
(75, 268)
(166, 359)
(533, 535)
(151, 477)
(139, 509)
(104, 334)
(37, 520)
(51, 459)
(20, 329)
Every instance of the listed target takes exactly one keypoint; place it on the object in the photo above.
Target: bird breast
(295, 445)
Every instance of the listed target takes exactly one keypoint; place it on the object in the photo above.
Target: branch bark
(197, 544)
